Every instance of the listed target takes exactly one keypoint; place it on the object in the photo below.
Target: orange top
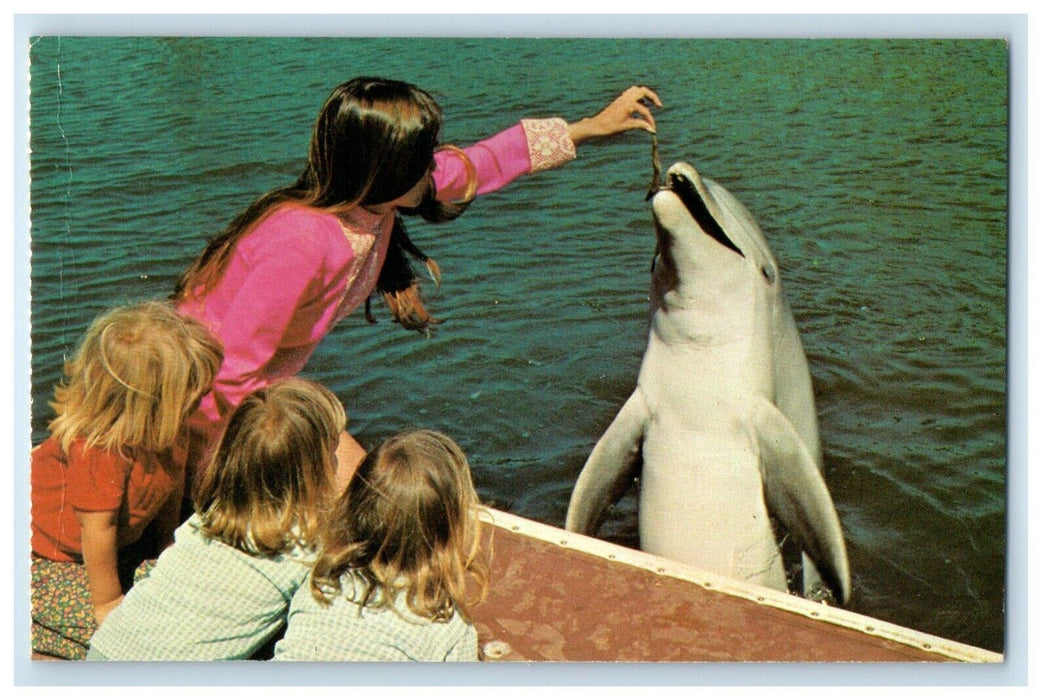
(94, 480)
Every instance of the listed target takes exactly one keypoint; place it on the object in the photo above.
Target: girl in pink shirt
(302, 257)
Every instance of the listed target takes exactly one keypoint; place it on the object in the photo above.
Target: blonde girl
(112, 466)
(401, 560)
(222, 590)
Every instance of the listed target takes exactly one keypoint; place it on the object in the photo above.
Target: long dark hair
(373, 141)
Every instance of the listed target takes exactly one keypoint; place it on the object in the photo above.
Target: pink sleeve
(268, 299)
(527, 147)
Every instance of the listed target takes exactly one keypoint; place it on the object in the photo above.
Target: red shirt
(94, 480)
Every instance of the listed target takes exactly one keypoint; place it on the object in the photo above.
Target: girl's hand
(626, 112)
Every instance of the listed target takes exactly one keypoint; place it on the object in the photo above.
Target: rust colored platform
(557, 596)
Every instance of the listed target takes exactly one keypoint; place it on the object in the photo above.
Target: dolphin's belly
(702, 502)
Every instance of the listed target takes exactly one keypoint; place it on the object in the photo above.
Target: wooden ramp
(559, 596)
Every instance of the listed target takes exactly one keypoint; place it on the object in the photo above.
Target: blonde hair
(137, 374)
(272, 475)
(407, 524)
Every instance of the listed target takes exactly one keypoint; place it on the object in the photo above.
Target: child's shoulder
(51, 450)
(297, 229)
(296, 219)
(195, 533)
(48, 449)
(302, 213)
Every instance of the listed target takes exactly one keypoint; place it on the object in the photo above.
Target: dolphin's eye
(770, 275)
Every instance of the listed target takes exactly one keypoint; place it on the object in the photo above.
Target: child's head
(373, 142)
(137, 374)
(407, 523)
(274, 470)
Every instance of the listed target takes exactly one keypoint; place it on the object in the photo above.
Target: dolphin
(723, 420)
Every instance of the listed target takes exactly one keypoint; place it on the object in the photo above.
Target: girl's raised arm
(534, 145)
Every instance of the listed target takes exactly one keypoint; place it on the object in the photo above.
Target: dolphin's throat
(686, 192)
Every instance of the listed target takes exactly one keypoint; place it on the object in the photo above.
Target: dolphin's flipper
(794, 397)
(793, 387)
(797, 495)
(610, 468)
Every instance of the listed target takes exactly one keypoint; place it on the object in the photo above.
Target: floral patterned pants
(62, 612)
(63, 616)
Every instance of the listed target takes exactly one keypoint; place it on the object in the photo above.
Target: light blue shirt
(344, 631)
(203, 600)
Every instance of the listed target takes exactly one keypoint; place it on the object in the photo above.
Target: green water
(877, 168)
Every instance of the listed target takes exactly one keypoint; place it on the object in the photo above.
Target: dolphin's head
(705, 236)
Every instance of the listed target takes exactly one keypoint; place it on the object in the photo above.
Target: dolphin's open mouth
(686, 192)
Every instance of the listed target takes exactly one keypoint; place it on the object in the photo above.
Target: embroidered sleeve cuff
(548, 143)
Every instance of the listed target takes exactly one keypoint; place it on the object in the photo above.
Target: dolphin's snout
(687, 185)
(680, 176)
